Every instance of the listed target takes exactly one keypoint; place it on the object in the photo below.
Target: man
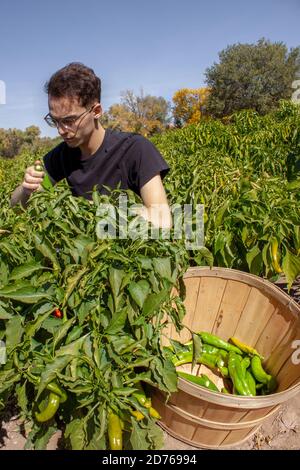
(91, 155)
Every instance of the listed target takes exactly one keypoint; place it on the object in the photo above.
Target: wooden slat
(192, 288)
(282, 352)
(239, 435)
(232, 305)
(254, 318)
(275, 330)
(208, 302)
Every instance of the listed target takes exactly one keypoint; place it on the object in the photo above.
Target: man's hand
(32, 179)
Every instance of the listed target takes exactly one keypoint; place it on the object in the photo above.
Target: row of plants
(246, 172)
(82, 318)
(82, 321)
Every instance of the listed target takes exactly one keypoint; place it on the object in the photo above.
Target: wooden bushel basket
(228, 303)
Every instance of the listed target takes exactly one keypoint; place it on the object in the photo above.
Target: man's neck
(95, 141)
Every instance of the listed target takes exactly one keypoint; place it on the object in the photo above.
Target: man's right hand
(32, 179)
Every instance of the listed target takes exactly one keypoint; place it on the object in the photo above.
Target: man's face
(75, 122)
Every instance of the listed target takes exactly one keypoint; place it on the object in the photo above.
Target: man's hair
(75, 80)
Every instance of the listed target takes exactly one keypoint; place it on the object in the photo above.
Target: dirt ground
(281, 432)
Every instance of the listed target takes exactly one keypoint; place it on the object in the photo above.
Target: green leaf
(41, 315)
(73, 348)
(76, 432)
(291, 267)
(44, 247)
(204, 254)
(116, 277)
(72, 283)
(154, 301)
(197, 348)
(27, 295)
(254, 260)
(162, 266)
(43, 437)
(293, 185)
(22, 397)
(220, 214)
(139, 291)
(155, 436)
(146, 263)
(50, 371)
(4, 315)
(25, 270)
(62, 331)
(14, 332)
(138, 438)
(117, 323)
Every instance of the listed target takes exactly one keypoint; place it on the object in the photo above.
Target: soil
(278, 432)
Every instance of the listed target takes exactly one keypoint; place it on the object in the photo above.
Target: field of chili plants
(81, 318)
(246, 171)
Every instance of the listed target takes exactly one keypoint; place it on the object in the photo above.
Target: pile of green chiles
(238, 364)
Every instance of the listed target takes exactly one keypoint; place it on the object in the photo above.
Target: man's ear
(97, 111)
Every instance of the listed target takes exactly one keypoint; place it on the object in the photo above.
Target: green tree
(251, 76)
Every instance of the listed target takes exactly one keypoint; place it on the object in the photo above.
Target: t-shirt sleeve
(144, 162)
(53, 163)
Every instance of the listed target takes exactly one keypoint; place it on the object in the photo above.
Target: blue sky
(159, 45)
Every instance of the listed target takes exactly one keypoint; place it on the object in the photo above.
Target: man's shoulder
(122, 136)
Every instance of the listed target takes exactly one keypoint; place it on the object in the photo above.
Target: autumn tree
(251, 76)
(14, 141)
(144, 114)
(188, 105)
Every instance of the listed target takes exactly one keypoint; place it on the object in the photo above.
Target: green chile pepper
(209, 360)
(245, 362)
(46, 183)
(142, 399)
(251, 382)
(244, 347)
(53, 387)
(214, 340)
(237, 375)
(261, 375)
(50, 410)
(115, 433)
(202, 380)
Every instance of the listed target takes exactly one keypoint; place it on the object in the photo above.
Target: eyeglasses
(68, 123)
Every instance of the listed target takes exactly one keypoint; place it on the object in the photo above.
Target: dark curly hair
(75, 80)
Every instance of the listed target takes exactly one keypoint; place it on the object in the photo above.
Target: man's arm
(156, 208)
(32, 182)
(20, 195)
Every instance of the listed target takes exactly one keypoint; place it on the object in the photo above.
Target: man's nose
(61, 130)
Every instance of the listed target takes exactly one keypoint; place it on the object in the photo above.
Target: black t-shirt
(124, 159)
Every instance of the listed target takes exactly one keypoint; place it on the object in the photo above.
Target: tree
(189, 104)
(251, 76)
(146, 115)
(14, 141)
